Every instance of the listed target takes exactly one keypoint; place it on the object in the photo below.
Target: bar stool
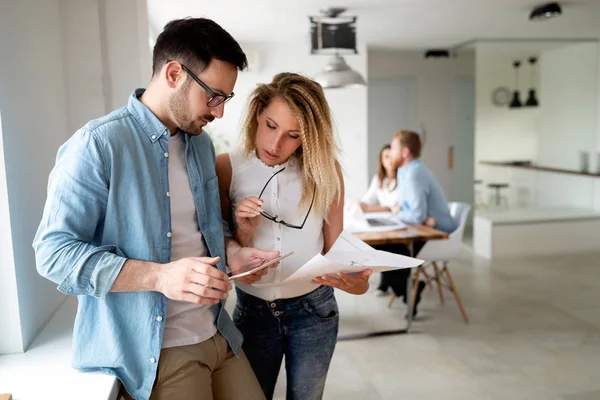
(497, 199)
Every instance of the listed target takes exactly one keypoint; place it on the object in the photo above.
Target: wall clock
(501, 96)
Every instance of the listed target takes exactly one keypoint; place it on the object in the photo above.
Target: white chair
(435, 251)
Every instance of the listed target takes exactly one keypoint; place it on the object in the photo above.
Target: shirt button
(274, 195)
(159, 318)
(169, 234)
(153, 360)
(277, 313)
(166, 132)
(168, 194)
(153, 137)
(278, 239)
(166, 155)
(273, 305)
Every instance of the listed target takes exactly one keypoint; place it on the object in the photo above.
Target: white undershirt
(385, 195)
(281, 198)
(186, 323)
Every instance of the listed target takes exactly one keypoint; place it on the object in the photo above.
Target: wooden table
(412, 233)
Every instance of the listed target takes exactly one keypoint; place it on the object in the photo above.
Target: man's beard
(398, 162)
(183, 116)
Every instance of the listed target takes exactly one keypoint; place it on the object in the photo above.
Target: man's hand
(242, 259)
(194, 280)
(356, 284)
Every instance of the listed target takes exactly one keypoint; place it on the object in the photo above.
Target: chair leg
(428, 278)
(415, 287)
(458, 300)
(392, 298)
(438, 279)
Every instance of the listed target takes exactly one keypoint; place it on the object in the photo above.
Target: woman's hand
(247, 214)
(353, 284)
(430, 222)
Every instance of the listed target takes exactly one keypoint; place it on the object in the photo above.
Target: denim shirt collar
(151, 125)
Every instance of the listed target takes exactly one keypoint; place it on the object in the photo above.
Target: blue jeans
(304, 329)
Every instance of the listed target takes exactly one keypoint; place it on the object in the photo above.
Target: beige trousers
(204, 371)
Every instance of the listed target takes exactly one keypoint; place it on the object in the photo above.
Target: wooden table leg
(414, 291)
(438, 279)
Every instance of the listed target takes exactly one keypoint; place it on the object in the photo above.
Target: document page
(349, 255)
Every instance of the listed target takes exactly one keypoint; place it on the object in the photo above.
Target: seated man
(421, 196)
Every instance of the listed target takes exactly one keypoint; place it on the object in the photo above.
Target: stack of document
(349, 255)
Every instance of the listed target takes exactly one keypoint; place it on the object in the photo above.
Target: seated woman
(382, 194)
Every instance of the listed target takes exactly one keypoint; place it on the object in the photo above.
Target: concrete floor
(534, 333)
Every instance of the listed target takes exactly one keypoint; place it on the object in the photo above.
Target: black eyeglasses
(215, 98)
(280, 221)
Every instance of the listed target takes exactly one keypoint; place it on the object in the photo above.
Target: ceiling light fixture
(332, 34)
(516, 100)
(545, 11)
(532, 100)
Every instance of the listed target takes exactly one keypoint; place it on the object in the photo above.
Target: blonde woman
(284, 191)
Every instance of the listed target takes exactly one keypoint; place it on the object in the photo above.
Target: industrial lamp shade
(337, 74)
(516, 100)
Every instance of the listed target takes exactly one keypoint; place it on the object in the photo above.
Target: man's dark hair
(195, 42)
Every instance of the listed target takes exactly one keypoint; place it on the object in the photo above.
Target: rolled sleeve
(75, 206)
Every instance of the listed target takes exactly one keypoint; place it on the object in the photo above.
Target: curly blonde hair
(318, 152)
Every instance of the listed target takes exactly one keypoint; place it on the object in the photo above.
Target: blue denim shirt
(108, 200)
(422, 196)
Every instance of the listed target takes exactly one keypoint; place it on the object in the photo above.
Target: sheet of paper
(348, 242)
(348, 255)
(380, 214)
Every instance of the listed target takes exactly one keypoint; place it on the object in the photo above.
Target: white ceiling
(406, 24)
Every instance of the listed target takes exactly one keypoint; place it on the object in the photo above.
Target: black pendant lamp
(516, 100)
(532, 100)
(545, 11)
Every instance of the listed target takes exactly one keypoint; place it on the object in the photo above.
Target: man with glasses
(132, 226)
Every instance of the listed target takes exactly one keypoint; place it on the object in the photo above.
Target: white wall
(10, 336)
(503, 134)
(70, 61)
(128, 53)
(33, 104)
(597, 161)
(107, 55)
(568, 123)
(392, 105)
(82, 62)
(348, 105)
(435, 85)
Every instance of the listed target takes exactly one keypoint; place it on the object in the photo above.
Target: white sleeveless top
(281, 199)
(385, 196)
